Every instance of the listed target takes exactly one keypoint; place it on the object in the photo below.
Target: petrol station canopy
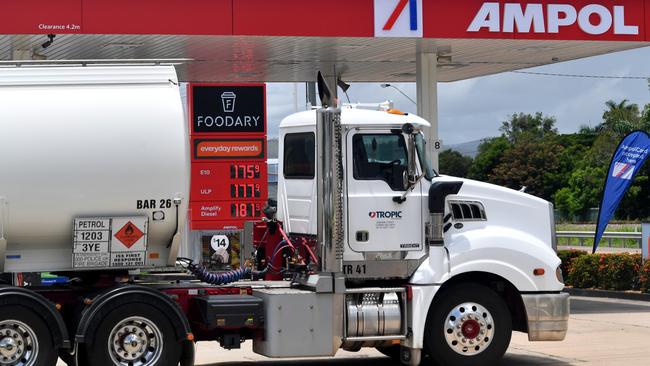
(287, 40)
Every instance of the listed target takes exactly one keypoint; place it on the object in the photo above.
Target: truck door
(377, 161)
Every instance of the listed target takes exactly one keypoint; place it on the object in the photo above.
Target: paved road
(603, 332)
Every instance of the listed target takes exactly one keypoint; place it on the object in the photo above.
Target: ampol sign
(593, 19)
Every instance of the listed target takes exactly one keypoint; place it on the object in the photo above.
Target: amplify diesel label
(385, 214)
(226, 108)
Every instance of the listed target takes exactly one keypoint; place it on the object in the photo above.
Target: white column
(427, 98)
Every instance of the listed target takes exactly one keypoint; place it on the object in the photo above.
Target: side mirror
(409, 130)
(412, 173)
(406, 183)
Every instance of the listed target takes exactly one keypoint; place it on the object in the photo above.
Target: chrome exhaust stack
(330, 181)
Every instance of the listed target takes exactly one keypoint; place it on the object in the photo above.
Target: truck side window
(299, 155)
(380, 157)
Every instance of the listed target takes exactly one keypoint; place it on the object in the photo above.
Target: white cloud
(474, 109)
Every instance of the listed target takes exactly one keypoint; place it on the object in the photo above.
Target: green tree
(454, 163)
(490, 153)
(620, 118)
(518, 133)
(583, 191)
(523, 126)
(644, 121)
(531, 164)
(584, 187)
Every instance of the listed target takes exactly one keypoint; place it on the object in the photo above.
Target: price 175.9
(245, 171)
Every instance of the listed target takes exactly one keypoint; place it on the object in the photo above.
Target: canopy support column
(427, 98)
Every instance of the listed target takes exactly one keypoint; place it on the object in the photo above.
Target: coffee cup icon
(228, 101)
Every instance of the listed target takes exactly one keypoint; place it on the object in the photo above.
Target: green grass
(587, 242)
(622, 228)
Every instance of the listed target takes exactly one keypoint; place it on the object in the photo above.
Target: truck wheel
(470, 325)
(24, 338)
(135, 335)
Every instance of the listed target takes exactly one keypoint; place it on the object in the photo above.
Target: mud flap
(187, 358)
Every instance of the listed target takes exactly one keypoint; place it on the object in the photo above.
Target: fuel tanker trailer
(100, 148)
(366, 246)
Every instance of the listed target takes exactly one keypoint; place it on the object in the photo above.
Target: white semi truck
(369, 247)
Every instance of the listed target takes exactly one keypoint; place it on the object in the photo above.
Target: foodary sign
(228, 108)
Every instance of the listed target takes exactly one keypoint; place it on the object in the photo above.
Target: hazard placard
(129, 234)
(116, 242)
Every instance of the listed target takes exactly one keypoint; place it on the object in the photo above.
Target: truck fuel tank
(89, 142)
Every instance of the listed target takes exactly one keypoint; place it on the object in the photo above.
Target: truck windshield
(421, 146)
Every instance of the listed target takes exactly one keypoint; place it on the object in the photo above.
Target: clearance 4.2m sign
(580, 20)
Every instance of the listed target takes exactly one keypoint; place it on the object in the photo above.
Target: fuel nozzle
(271, 209)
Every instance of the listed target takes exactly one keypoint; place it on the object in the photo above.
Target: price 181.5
(245, 210)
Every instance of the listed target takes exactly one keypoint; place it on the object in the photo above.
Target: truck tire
(470, 325)
(25, 338)
(135, 334)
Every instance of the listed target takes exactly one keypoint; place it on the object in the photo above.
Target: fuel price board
(228, 142)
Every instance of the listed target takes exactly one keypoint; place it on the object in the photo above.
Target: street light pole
(399, 90)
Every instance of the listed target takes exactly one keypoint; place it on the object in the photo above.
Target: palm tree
(621, 118)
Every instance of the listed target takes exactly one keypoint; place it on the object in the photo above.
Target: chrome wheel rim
(469, 329)
(18, 344)
(135, 341)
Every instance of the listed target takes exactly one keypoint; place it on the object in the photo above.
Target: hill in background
(466, 148)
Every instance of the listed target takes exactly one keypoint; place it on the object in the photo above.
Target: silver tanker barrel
(94, 167)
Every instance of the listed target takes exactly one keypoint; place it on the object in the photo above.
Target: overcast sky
(474, 109)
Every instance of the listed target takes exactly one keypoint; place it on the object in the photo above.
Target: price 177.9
(245, 190)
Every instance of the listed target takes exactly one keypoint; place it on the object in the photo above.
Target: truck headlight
(559, 275)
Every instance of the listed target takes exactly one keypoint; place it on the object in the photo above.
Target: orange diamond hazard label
(129, 234)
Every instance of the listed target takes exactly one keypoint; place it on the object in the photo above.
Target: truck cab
(478, 260)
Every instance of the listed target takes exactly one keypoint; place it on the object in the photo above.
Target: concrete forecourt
(601, 332)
